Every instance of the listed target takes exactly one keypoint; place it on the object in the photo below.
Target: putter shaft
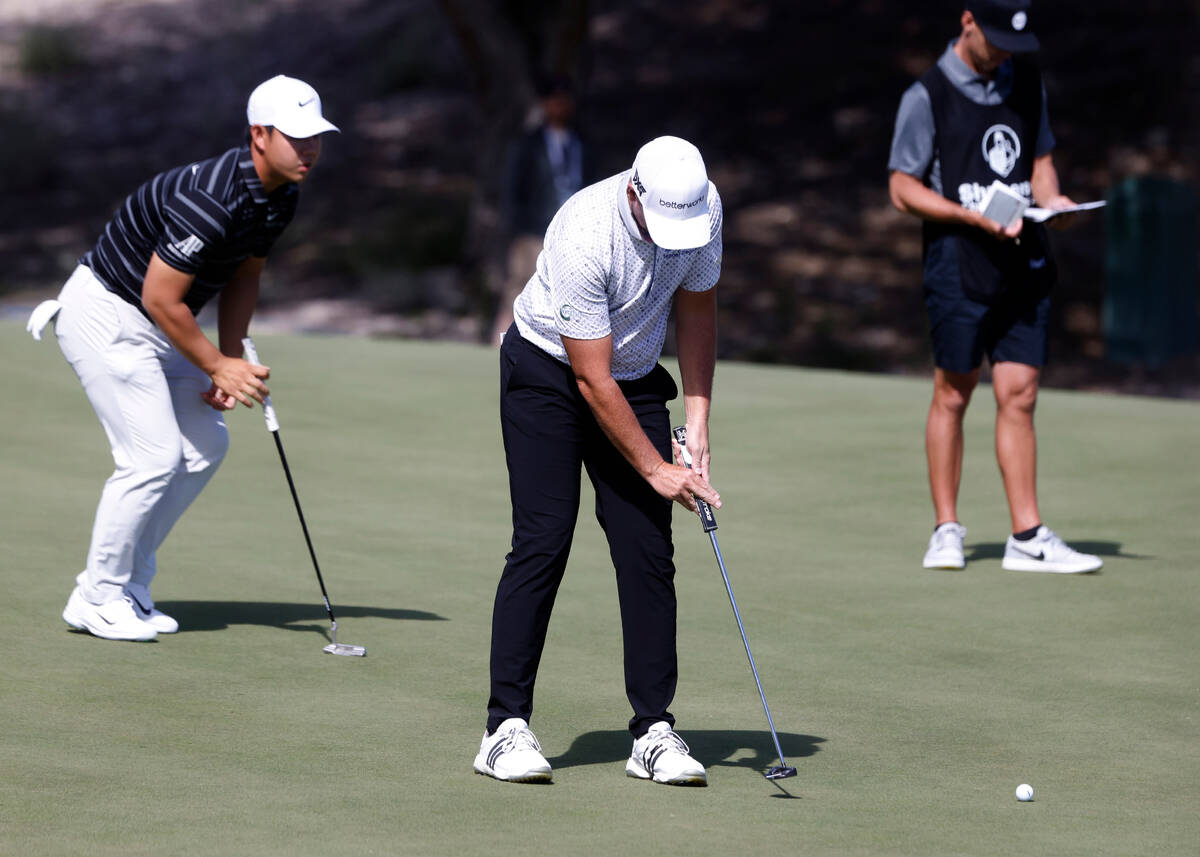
(708, 521)
(334, 647)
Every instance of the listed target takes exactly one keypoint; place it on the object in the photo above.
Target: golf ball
(1024, 792)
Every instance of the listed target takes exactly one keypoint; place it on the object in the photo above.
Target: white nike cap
(672, 185)
(288, 104)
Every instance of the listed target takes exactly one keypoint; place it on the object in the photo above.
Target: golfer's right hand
(242, 380)
(683, 486)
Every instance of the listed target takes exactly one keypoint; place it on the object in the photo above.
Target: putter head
(780, 772)
(336, 648)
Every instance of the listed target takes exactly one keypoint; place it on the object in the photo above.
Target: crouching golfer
(126, 324)
(580, 384)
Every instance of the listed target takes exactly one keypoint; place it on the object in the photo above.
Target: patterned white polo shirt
(597, 276)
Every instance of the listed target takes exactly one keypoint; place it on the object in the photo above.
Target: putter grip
(268, 408)
(707, 519)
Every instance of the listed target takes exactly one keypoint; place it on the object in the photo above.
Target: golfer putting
(126, 322)
(581, 387)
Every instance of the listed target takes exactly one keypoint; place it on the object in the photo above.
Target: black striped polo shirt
(203, 219)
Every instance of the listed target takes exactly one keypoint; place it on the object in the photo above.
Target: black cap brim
(1014, 43)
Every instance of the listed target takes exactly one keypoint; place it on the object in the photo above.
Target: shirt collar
(250, 175)
(626, 213)
(963, 76)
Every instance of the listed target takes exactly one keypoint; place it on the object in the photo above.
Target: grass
(912, 702)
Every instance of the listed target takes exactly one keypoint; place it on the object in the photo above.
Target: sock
(943, 523)
(1026, 535)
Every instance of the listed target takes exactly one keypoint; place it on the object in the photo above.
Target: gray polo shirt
(912, 141)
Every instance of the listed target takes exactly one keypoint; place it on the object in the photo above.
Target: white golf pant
(166, 441)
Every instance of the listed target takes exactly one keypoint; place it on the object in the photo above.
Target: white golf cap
(288, 104)
(672, 185)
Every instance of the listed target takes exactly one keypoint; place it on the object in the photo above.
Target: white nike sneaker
(661, 755)
(112, 621)
(1047, 552)
(143, 605)
(512, 754)
(946, 547)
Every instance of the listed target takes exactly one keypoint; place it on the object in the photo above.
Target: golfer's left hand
(697, 445)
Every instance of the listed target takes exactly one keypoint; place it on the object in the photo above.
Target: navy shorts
(1014, 328)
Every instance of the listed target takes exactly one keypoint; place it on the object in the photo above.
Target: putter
(709, 522)
(334, 647)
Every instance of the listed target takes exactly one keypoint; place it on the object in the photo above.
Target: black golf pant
(549, 433)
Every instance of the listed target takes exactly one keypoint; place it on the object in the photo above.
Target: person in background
(979, 116)
(547, 164)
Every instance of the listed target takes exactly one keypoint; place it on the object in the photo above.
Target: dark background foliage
(792, 104)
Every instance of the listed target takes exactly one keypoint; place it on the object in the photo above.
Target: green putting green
(912, 702)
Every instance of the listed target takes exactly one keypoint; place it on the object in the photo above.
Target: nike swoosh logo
(310, 101)
(1037, 264)
(1038, 555)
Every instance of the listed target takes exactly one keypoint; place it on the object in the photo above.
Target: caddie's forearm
(910, 195)
(1044, 181)
(620, 425)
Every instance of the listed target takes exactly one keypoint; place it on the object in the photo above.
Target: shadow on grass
(995, 550)
(732, 748)
(218, 615)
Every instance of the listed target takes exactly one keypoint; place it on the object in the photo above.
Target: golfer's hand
(218, 399)
(242, 380)
(683, 486)
(697, 442)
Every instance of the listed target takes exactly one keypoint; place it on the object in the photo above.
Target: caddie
(978, 117)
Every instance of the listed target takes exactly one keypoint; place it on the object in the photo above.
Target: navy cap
(1005, 24)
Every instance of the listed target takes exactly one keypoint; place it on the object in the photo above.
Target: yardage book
(1041, 215)
(1002, 204)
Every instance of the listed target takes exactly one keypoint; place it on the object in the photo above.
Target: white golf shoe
(512, 754)
(946, 546)
(662, 756)
(143, 605)
(115, 620)
(1047, 552)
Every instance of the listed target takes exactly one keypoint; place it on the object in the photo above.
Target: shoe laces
(119, 610)
(946, 537)
(520, 739)
(1053, 545)
(665, 741)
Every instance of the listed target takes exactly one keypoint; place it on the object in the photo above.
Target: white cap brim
(305, 126)
(672, 234)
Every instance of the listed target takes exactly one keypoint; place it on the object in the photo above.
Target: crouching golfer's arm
(233, 379)
(591, 360)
